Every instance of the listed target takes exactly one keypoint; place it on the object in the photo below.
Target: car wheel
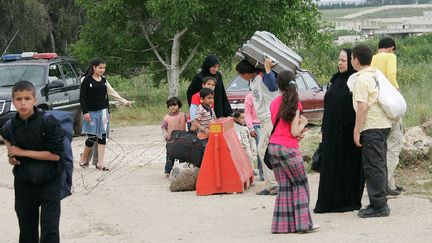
(78, 124)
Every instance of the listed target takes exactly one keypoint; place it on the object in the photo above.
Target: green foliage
(218, 28)
(44, 26)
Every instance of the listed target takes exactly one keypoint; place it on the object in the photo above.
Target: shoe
(371, 212)
(312, 229)
(103, 168)
(254, 173)
(271, 191)
(391, 192)
(399, 188)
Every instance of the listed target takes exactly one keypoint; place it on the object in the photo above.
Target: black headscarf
(345, 75)
(221, 105)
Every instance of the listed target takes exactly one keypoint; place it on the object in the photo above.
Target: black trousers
(374, 158)
(28, 198)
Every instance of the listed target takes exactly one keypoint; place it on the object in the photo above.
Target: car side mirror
(55, 84)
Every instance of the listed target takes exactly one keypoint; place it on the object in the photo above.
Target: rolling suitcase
(264, 44)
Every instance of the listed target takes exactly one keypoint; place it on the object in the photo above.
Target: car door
(315, 89)
(305, 96)
(72, 85)
(57, 93)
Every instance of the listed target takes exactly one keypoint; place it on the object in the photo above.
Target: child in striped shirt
(205, 114)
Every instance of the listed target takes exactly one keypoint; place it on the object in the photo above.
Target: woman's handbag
(316, 158)
(267, 154)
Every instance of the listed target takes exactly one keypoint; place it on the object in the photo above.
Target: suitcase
(265, 44)
(186, 147)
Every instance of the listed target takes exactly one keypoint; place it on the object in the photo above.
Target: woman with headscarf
(341, 174)
(210, 68)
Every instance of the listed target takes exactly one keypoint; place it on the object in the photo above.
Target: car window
(310, 82)
(69, 74)
(238, 84)
(12, 74)
(54, 73)
(78, 69)
(300, 83)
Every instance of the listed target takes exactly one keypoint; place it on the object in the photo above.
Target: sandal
(83, 164)
(103, 168)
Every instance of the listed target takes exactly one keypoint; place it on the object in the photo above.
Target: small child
(246, 140)
(208, 82)
(34, 147)
(205, 114)
(174, 120)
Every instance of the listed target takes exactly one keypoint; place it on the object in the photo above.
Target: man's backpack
(66, 159)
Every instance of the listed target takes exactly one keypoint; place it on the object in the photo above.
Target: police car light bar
(29, 55)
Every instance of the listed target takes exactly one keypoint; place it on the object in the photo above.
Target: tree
(169, 34)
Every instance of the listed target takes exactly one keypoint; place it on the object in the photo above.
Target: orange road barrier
(225, 167)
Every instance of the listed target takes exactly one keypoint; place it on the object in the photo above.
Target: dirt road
(132, 203)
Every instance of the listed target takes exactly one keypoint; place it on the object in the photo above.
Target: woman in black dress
(210, 68)
(341, 174)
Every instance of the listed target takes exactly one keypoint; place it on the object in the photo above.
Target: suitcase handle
(274, 62)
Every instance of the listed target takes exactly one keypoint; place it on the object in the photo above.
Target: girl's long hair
(94, 63)
(287, 85)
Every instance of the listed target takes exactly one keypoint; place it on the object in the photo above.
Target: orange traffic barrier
(225, 167)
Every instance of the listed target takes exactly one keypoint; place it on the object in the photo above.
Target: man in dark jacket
(210, 68)
(34, 147)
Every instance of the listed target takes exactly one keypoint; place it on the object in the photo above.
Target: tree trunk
(174, 70)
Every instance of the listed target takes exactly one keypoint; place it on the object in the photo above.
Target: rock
(417, 145)
(183, 179)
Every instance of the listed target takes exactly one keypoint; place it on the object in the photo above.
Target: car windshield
(12, 74)
(238, 84)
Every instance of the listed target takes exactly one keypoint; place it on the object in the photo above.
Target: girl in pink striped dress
(291, 212)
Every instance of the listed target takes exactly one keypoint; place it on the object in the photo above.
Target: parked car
(311, 94)
(56, 80)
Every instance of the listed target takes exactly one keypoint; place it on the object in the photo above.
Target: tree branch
(189, 59)
(143, 29)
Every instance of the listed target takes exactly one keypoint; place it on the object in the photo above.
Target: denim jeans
(374, 159)
(257, 128)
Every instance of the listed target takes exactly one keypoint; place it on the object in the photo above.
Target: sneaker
(391, 192)
(371, 212)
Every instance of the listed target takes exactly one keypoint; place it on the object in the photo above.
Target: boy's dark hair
(387, 42)
(23, 85)
(245, 67)
(206, 92)
(174, 101)
(206, 79)
(237, 114)
(363, 53)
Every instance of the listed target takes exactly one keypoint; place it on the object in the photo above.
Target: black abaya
(222, 107)
(341, 173)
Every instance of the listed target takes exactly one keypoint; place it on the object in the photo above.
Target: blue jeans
(257, 128)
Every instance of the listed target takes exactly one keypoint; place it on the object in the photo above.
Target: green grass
(329, 14)
(396, 13)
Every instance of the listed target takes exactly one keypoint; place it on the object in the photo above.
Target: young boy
(371, 129)
(246, 140)
(174, 120)
(205, 114)
(208, 82)
(34, 148)
(385, 61)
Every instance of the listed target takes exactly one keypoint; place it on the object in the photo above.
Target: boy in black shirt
(34, 147)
